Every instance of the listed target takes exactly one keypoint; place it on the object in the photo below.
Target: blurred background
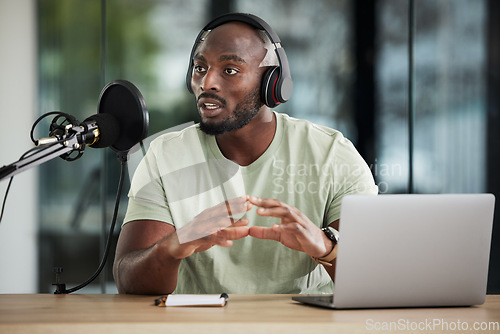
(413, 83)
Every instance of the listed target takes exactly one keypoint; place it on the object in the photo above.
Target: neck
(245, 145)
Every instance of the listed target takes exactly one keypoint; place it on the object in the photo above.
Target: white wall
(18, 78)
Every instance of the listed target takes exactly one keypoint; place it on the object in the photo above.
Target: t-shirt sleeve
(147, 199)
(351, 175)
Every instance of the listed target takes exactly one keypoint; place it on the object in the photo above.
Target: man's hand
(148, 253)
(296, 231)
(213, 226)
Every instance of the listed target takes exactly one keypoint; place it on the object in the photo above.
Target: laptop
(411, 251)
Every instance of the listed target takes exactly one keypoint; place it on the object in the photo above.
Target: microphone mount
(121, 123)
(72, 139)
(78, 131)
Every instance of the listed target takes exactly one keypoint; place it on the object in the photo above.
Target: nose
(210, 81)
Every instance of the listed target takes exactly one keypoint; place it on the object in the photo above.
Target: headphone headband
(277, 85)
(250, 19)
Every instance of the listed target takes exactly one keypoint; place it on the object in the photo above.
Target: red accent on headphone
(274, 90)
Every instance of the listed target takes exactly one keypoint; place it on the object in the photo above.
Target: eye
(199, 69)
(230, 71)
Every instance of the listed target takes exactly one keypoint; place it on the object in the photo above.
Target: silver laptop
(411, 251)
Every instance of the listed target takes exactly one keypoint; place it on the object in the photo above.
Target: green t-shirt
(307, 166)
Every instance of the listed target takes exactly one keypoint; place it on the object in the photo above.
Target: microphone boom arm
(46, 153)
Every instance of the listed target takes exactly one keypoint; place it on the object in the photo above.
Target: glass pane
(69, 81)
(148, 44)
(450, 96)
(391, 77)
(318, 39)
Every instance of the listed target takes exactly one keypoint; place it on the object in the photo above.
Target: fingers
(237, 205)
(240, 222)
(226, 236)
(189, 244)
(213, 219)
(276, 208)
(261, 232)
(264, 202)
(276, 231)
(227, 208)
(295, 230)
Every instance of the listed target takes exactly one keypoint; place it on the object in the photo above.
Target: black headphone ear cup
(268, 87)
(188, 78)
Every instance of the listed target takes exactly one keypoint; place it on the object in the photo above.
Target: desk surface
(46, 313)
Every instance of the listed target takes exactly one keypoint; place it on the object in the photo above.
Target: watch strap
(333, 236)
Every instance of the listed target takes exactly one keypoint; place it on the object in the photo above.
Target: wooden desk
(46, 313)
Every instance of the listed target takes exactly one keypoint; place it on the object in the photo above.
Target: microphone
(98, 131)
(103, 130)
(122, 121)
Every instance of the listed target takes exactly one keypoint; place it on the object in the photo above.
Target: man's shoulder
(299, 126)
(178, 148)
(179, 135)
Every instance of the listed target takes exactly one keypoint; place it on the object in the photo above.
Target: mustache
(211, 96)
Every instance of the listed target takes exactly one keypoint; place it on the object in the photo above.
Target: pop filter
(124, 101)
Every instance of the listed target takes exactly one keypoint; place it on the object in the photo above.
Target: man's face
(226, 78)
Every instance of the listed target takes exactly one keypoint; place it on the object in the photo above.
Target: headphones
(277, 85)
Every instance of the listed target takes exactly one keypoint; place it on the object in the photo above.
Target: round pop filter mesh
(123, 100)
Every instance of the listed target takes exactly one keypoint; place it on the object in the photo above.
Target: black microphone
(102, 130)
(122, 121)
(98, 131)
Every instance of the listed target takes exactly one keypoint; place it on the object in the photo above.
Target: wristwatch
(333, 235)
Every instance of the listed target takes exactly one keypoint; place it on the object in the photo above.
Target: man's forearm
(146, 271)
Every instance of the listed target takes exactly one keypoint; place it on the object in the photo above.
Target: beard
(242, 114)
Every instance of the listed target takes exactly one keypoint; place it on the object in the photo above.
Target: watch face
(330, 234)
